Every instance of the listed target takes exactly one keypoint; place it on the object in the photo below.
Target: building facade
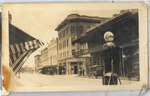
(52, 55)
(121, 55)
(37, 62)
(44, 60)
(74, 26)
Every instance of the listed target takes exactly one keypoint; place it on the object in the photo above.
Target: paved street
(27, 79)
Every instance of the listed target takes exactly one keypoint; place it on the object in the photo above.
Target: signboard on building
(108, 36)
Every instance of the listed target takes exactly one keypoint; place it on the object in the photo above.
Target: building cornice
(79, 18)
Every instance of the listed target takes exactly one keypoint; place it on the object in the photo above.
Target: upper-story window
(73, 30)
(60, 46)
(67, 29)
(67, 43)
(60, 55)
(64, 34)
(73, 51)
(81, 29)
(67, 53)
(64, 44)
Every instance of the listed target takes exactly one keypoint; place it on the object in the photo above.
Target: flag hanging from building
(21, 46)
(19, 53)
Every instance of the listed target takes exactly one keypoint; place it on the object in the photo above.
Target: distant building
(73, 27)
(37, 61)
(52, 54)
(44, 60)
(44, 57)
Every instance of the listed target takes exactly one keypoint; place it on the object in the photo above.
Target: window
(73, 30)
(67, 53)
(67, 30)
(73, 52)
(61, 55)
(73, 45)
(60, 46)
(67, 43)
(72, 33)
(64, 33)
(80, 29)
(63, 44)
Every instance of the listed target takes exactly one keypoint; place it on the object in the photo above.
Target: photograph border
(143, 45)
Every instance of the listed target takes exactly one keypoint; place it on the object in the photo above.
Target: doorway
(75, 69)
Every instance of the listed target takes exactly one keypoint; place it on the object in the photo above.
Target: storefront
(120, 53)
(61, 68)
(130, 62)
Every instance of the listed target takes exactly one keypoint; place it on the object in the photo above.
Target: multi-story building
(118, 52)
(44, 57)
(52, 54)
(44, 60)
(37, 62)
(74, 26)
(47, 61)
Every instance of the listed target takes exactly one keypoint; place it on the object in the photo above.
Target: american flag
(19, 53)
(21, 46)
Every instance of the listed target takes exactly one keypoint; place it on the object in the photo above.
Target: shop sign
(109, 36)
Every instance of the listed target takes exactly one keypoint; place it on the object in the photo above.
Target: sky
(41, 21)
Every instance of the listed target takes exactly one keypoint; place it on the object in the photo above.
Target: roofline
(113, 18)
(127, 13)
(78, 18)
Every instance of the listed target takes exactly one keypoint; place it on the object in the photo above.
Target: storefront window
(131, 62)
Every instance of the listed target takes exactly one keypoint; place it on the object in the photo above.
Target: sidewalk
(123, 80)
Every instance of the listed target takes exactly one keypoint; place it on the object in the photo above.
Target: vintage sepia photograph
(67, 47)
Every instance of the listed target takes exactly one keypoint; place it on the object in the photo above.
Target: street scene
(84, 51)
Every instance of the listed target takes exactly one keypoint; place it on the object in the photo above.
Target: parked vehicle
(96, 71)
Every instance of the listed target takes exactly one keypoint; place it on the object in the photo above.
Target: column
(57, 70)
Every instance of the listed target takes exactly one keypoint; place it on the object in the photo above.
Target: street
(27, 79)
(38, 80)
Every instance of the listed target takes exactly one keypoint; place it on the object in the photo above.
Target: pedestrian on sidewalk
(80, 71)
(62, 72)
(83, 71)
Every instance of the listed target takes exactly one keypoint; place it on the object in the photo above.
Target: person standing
(80, 71)
(83, 71)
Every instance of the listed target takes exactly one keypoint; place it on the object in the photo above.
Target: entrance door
(75, 69)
